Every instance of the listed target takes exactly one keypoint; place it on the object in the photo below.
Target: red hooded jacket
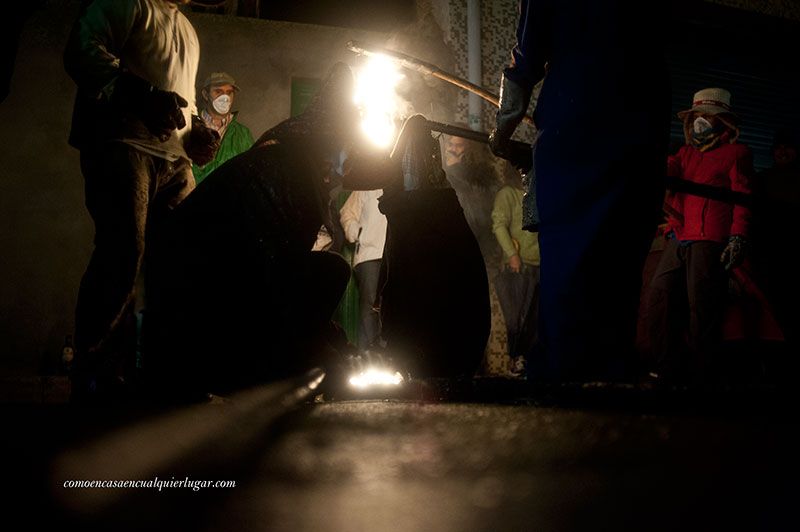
(728, 165)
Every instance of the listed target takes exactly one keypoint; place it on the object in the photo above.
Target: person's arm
(349, 215)
(740, 181)
(91, 56)
(249, 138)
(528, 60)
(674, 165)
(532, 50)
(739, 174)
(92, 59)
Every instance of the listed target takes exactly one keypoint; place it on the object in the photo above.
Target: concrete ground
(593, 460)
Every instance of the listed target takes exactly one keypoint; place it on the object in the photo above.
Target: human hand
(517, 154)
(162, 113)
(203, 143)
(734, 252)
(515, 264)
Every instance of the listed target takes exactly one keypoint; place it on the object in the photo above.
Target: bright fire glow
(375, 96)
(373, 377)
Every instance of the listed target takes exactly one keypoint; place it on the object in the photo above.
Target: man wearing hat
(706, 238)
(217, 96)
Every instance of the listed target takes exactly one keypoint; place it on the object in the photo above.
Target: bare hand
(515, 264)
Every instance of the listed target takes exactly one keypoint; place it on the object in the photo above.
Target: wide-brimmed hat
(710, 101)
(220, 78)
(330, 113)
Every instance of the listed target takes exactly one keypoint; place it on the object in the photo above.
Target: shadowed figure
(236, 296)
(435, 295)
(603, 125)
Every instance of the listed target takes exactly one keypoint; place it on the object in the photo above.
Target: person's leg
(663, 308)
(530, 315)
(367, 274)
(507, 286)
(118, 184)
(707, 283)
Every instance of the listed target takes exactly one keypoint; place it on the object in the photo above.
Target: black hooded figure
(434, 292)
(235, 296)
(599, 164)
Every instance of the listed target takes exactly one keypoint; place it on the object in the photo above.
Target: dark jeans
(684, 308)
(518, 294)
(127, 194)
(369, 326)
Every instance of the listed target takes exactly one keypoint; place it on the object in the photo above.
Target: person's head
(710, 114)
(784, 149)
(461, 150)
(218, 93)
(511, 175)
(456, 149)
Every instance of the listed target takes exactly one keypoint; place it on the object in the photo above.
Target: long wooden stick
(417, 65)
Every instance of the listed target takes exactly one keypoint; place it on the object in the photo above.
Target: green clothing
(507, 226)
(236, 140)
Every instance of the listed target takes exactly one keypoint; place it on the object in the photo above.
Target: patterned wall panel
(498, 35)
(498, 28)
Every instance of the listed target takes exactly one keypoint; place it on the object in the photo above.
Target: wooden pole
(417, 65)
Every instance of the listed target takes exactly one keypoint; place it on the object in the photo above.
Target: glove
(202, 144)
(514, 100)
(160, 111)
(734, 252)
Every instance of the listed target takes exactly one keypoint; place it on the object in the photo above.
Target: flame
(376, 98)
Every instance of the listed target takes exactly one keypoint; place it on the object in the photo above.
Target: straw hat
(709, 101)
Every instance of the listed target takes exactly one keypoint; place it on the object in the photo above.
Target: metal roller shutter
(747, 54)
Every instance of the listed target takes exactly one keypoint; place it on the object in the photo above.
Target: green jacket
(507, 226)
(236, 140)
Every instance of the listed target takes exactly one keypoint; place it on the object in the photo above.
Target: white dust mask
(701, 125)
(222, 104)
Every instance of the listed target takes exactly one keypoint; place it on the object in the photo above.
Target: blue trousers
(369, 325)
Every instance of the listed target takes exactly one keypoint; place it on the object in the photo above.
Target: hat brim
(705, 109)
(235, 87)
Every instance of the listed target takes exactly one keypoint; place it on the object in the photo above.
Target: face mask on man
(701, 125)
(222, 104)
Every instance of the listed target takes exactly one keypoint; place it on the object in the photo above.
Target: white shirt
(150, 38)
(364, 224)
